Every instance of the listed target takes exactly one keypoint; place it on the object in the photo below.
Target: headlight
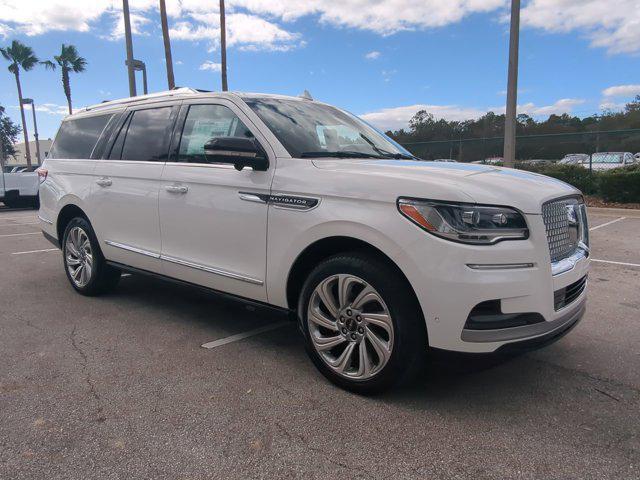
(465, 222)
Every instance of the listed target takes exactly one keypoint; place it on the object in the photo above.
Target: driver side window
(203, 123)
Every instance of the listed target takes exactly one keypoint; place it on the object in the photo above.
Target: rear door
(124, 195)
(213, 218)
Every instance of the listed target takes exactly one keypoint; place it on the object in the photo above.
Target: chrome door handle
(176, 188)
(104, 182)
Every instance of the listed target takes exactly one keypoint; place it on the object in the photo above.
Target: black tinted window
(147, 135)
(205, 122)
(76, 138)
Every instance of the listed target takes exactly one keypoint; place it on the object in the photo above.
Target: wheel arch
(324, 248)
(66, 214)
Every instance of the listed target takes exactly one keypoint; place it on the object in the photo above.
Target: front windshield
(309, 129)
(606, 158)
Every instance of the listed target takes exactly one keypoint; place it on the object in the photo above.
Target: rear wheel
(84, 263)
(363, 327)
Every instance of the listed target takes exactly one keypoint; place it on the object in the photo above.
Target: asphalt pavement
(120, 387)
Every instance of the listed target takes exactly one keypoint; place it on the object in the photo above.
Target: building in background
(20, 158)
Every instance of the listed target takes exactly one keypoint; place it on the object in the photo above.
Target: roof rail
(125, 101)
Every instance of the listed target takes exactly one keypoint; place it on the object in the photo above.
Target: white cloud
(249, 32)
(610, 24)
(259, 24)
(398, 117)
(372, 55)
(212, 66)
(564, 105)
(622, 91)
(612, 106)
(137, 20)
(48, 108)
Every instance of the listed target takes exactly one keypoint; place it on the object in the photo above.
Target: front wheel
(84, 264)
(362, 324)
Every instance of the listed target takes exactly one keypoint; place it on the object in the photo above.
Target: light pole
(139, 66)
(512, 87)
(167, 45)
(127, 36)
(223, 47)
(29, 101)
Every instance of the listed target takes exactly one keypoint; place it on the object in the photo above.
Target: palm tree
(68, 61)
(23, 57)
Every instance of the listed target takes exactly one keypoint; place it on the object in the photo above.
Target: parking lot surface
(119, 386)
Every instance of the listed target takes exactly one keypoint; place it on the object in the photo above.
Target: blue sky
(383, 62)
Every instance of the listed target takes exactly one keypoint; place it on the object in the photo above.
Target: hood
(460, 182)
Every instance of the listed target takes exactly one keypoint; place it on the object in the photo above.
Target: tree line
(552, 138)
(22, 59)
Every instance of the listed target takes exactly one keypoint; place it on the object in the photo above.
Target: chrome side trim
(224, 166)
(129, 248)
(567, 264)
(499, 266)
(42, 219)
(216, 271)
(253, 197)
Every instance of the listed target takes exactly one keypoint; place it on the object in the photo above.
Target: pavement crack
(84, 362)
(607, 394)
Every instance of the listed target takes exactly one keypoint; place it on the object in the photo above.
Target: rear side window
(77, 138)
(144, 136)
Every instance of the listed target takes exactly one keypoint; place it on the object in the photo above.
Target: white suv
(296, 204)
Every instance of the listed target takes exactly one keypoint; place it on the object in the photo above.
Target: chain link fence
(545, 146)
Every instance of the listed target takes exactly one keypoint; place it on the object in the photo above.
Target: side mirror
(238, 151)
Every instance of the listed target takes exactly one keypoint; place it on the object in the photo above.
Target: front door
(124, 196)
(212, 217)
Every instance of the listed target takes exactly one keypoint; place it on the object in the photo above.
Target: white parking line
(26, 217)
(242, 336)
(20, 234)
(14, 224)
(36, 251)
(626, 264)
(606, 224)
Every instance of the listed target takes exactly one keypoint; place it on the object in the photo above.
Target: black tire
(103, 278)
(410, 343)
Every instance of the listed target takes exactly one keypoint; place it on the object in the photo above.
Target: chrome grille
(562, 243)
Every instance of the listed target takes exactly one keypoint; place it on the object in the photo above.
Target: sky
(383, 60)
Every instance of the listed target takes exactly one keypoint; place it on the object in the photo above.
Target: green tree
(9, 132)
(20, 56)
(68, 61)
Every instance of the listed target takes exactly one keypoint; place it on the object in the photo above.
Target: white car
(298, 205)
(19, 187)
(610, 160)
(575, 159)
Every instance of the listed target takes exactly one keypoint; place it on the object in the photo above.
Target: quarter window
(205, 122)
(77, 138)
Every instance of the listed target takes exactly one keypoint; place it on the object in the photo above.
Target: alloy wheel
(78, 257)
(350, 326)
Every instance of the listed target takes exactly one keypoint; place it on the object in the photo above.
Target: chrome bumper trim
(567, 264)
(573, 313)
(499, 266)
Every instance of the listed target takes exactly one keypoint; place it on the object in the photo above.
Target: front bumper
(448, 289)
(569, 318)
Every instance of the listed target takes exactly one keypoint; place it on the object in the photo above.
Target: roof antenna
(306, 95)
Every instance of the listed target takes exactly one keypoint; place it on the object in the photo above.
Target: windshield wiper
(384, 152)
(340, 154)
